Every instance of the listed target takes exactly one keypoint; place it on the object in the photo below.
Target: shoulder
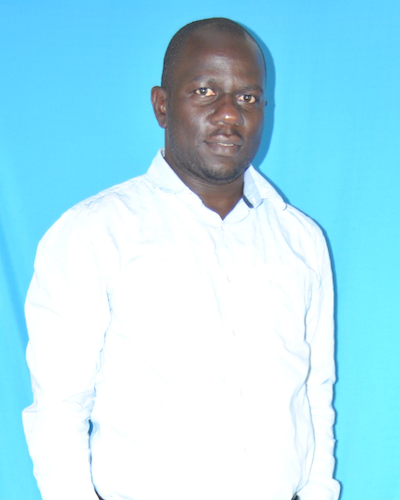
(299, 232)
(302, 223)
(109, 201)
(289, 218)
(95, 219)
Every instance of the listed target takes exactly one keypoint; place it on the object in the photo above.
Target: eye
(205, 92)
(247, 98)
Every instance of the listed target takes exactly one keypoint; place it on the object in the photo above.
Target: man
(186, 315)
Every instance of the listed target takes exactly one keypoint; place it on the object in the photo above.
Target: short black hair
(178, 41)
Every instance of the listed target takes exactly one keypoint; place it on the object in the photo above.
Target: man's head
(179, 40)
(211, 103)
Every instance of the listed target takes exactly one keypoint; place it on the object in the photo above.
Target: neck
(220, 198)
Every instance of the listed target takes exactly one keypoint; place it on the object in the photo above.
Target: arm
(67, 315)
(320, 336)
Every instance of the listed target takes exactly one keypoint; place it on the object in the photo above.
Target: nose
(227, 111)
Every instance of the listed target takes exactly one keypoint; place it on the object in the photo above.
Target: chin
(223, 174)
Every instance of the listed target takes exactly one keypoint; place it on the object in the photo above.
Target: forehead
(210, 51)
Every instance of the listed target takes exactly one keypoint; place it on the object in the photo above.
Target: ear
(159, 98)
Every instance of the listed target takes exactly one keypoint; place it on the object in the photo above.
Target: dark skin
(213, 115)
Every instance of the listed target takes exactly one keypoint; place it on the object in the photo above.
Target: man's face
(214, 112)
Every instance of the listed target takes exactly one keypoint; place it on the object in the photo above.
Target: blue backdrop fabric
(75, 118)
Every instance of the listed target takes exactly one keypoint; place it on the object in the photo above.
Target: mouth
(224, 145)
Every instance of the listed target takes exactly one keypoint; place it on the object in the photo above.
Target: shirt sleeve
(67, 315)
(320, 336)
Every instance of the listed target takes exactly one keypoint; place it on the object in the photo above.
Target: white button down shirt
(200, 349)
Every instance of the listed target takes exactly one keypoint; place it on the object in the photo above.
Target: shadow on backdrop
(15, 295)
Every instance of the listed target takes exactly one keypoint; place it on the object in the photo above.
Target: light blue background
(75, 118)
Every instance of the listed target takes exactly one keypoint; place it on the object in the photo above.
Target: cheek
(186, 125)
(192, 129)
(181, 124)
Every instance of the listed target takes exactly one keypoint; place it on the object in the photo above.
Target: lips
(224, 144)
(223, 150)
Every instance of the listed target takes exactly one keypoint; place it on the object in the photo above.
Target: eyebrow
(212, 81)
(256, 87)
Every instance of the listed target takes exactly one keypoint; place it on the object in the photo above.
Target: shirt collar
(160, 174)
(256, 188)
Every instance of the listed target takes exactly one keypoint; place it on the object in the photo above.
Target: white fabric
(200, 349)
